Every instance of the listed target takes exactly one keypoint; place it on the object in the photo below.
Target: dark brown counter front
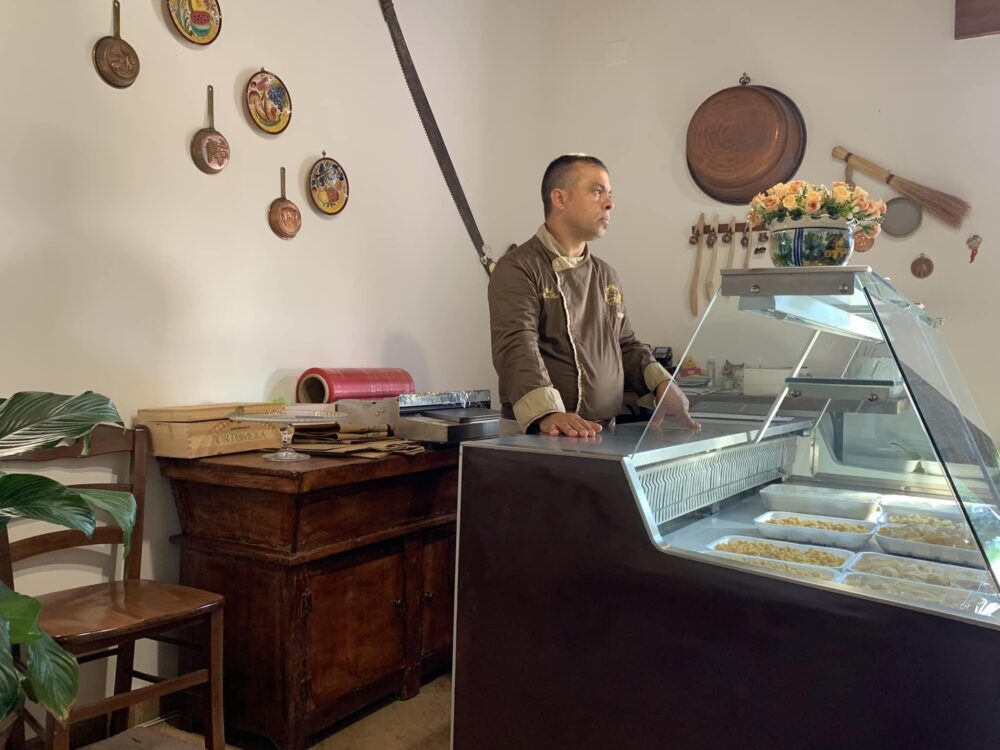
(338, 575)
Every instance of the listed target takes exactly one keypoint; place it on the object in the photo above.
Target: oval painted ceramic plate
(268, 101)
(328, 186)
(198, 21)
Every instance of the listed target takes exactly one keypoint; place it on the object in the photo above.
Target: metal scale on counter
(447, 417)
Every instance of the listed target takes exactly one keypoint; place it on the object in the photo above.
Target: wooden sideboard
(338, 575)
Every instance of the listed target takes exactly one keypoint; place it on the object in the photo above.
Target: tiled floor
(423, 723)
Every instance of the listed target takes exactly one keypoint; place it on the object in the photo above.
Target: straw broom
(948, 208)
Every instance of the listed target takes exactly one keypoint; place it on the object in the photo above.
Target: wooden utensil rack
(738, 228)
(749, 237)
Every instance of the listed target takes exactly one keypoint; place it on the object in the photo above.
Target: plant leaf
(44, 499)
(33, 419)
(119, 505)
(10, 678)
(54, 676)
(20, 614)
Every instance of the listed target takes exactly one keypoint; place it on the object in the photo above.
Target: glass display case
(887, 475)
(820, 556)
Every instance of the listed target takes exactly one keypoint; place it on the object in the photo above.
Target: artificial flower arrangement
(798, 198)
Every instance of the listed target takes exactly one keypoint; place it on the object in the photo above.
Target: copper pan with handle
(116, 62)
(283, 215)
(744, 139)
(209, 148)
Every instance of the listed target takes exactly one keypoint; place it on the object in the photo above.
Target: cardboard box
(363, 411)
(203, 430)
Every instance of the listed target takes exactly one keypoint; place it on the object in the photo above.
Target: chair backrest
(105, 439)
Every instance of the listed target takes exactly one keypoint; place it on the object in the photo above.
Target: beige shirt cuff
(536, 404)
(654, 374)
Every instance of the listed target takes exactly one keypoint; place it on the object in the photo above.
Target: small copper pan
(284, 216)
(115, 60)
(209, 148)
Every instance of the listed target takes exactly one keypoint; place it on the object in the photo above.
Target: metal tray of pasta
(824, 501)
(922, 571)
(928, 542)
(941, 596)
(827, 557)
(810, 529)
(780, 566)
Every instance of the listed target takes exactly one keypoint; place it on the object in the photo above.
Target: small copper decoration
(116, 62)
(922, 267)
(862, 242)
(973, 244)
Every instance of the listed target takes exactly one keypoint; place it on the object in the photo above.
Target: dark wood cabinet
(437, 610)
(338, 576)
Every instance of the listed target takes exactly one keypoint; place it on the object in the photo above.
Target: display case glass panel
(860, 464)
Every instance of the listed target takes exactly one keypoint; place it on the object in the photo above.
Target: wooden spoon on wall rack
(696, 239)
(712, 243)
(745, 244)
(729, 239)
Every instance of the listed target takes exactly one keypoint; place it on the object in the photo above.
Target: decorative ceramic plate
(198, 21)
(328, 186)
(268, 101)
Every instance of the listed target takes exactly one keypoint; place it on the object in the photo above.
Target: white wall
(885, 79)
(126, 270)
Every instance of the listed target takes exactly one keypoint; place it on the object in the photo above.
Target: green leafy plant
(32, 421)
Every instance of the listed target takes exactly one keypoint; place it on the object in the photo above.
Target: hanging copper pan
(209, 147)
(743, 140)
(284, 216)
(115, 60)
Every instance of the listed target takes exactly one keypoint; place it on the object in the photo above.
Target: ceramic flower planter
(811, 241)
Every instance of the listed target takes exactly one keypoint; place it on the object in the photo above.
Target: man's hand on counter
(676, 406)
(572, 425)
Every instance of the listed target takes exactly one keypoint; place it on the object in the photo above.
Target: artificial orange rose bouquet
(797, 199)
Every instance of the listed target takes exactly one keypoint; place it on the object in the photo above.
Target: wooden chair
(106, 619)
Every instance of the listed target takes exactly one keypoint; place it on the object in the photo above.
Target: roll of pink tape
(324, 385)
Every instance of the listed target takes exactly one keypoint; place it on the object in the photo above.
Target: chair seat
(88, 614)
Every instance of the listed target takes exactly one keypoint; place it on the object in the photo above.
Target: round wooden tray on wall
(743, 140)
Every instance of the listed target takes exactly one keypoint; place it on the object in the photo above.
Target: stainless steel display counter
(575, 630)
(644, 589)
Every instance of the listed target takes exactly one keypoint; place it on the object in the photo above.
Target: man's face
(587, 202)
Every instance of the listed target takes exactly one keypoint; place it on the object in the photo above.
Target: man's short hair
(560, 171)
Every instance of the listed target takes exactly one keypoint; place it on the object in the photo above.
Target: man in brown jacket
(562, 343)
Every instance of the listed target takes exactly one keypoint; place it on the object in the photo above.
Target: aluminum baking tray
(883, 461)
(941, 596)
(894, 515)
(780, 566)
(926, 551)
(961, 471)
(918, 504)
(842, 555)
(922, 571)
(823, 501)
(806, 535)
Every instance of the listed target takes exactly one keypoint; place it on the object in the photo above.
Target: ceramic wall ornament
(328, 186)
(198, 21)
(268, 102)
(973, 244)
